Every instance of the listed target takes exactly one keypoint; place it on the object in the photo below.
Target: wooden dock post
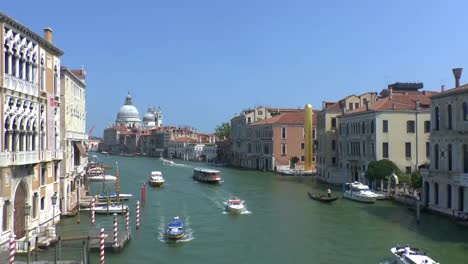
(93, 208)
(116, 243)
(418, 209)
(12, 249)
(127, 220)
(101, 246)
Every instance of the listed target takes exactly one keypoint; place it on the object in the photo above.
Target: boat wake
(189, 233)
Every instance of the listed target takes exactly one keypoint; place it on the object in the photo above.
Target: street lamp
(27, 212)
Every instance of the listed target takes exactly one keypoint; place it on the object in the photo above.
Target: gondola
(322, 198)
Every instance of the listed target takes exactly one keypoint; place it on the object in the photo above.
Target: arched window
(449, 117)
(55, 81)
(20, 66)
(436, 156)
(436, 118)
(42, 75)
(7, 59)
(465, 111)
(43, 203)
(449, 158)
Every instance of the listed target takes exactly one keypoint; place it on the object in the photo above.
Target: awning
(81, 149)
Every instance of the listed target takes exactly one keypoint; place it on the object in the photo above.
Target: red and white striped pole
(115, 230)
(12, 249)
(93, 208)
(138, 215)
(127, 220)
(102, 240)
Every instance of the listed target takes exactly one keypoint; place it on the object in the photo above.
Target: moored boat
(113, 196)
(206, 175)
(111, 209)
(359, 192)
(235, 206)
(175, 229)
(322, 197)
(407, 255)
(156, 179)
(102, 177)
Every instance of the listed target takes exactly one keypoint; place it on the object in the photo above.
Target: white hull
(356, 196)
(102, 178)
(118, 209)
(122, 196)
(235, 209)
(413, 257)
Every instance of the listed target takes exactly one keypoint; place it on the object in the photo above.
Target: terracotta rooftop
(288, 118)
(79, 73)
(459, 89)
(398, 101)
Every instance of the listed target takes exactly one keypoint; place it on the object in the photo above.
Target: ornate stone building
(30, 147)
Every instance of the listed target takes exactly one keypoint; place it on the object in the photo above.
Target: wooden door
(19, 221)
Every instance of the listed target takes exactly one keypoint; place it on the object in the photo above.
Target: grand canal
(282, 225)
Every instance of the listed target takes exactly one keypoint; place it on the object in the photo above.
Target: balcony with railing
(18, 158)
(16, 84)
(57, 154)
(46, 155)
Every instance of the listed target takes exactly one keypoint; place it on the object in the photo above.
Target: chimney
(417, 105)
(457, 74)
(367, 105)
(391, 93)
(48, 34)
(393, 106)
(442, 88)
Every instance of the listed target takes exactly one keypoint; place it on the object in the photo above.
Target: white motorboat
(111, 209)
(359, 192)
(102, 177)
(156, 179)
(407, 255)
(113, 196)
(235, 206)
(167, 162)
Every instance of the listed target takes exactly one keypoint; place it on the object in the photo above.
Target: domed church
(152, 118)
(128, 114)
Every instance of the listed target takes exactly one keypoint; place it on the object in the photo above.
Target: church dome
(128, 113)
(149, 117)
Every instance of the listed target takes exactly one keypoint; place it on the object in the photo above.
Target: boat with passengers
(206, 175)
(408, 255)
(156, 179)
(175, 229)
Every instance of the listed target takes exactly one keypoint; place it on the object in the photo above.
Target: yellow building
(73, 111)
(395, 127)
(30, 149)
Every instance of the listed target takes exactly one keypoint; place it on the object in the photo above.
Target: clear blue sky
(203, 61)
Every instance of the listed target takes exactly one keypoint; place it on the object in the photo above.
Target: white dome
(149, 117)
(128, 113)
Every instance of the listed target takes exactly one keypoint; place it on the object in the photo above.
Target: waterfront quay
(282, 223)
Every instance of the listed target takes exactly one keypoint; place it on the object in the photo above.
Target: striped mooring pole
(12, 249)
(138, 215)
(101, 243)
(115, 230)
(127, 220)
(93, 208)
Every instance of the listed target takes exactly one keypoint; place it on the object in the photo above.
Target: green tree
(223, 131)
(382, 169)
(416, 179)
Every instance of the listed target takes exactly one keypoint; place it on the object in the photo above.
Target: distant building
(445, 183)
(271, 141)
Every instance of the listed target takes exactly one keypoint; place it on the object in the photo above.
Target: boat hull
(210, 181)
(117, 209)
(155, 184)
(235, 210)
(359, 198)
(322, 198)
(175, 236)
(113, 197)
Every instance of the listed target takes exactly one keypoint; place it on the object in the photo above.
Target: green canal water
(282, 224)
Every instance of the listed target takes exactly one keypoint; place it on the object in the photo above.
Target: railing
(58, 154)
(19, 85)
(46, 155)
(18, 158)
(21, 246)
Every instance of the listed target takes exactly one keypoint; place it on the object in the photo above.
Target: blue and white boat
(175, 229)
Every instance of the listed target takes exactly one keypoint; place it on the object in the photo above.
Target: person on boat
(407, 250)
(329, 193)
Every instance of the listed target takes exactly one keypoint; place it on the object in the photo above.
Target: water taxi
(235, 206)
(359, 192)
(206, 175)
(407, 255)
(156, 179)
(175, 229)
